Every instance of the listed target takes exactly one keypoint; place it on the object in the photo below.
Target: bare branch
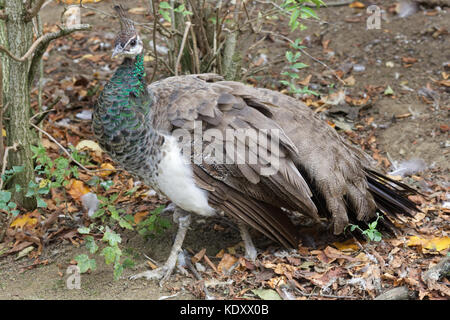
(33, 12)
(27, 54)
(61, 147)
(155, 66)
(58, 144)
(183, 42)
(47, 38)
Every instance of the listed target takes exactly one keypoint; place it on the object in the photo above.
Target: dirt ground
(404, 124)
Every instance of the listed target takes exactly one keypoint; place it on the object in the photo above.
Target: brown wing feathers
(317, 168)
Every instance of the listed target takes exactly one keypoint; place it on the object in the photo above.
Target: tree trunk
(17, 35)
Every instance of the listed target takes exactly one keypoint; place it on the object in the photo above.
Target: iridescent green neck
(137, 70)
(125, 98)
(139, 67)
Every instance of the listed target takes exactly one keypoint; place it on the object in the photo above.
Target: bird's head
(127, 43)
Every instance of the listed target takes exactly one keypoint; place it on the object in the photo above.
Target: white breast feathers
(175, 180)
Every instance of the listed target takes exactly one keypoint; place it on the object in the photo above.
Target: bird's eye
(133, 43)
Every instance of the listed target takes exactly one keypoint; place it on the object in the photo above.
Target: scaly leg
(250, 250)
(164, 272)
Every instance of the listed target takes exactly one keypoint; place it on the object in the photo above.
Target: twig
(183, 42)
(62, 148)
(166, 65)
(330, 4)
(215, 56)
(144, 25)
(252, 71)
(196, 274)
(59, 145)
(27, 54)
(248, 17)
(43, 42)
(155, 65)
(203, 38)
(44, 113)
(195, 57)
(98, 10)
(46, 39)
(195, 49)
(39, 32)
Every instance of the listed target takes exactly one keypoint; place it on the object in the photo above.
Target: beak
(116, 51)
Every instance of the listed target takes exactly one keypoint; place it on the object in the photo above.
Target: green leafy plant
(10, 207)
(53, 173)
(108, 211)
(153, 224)
(82, 157)
(293, 68)
(371, 233)
(296, 10)
(111, 252)
(165, 10)
(107, 216)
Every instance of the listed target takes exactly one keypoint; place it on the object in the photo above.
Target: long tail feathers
(391, 197)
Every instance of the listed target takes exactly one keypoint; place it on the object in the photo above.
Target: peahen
(146, 128)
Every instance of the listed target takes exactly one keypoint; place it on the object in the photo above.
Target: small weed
(371, 234)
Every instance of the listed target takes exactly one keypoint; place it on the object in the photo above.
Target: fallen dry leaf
(347, 246)
(434, 244)
(409, 60)
(350, 81)
(26, 219)
(139, 216)
(77, 189)
(225, 264)
(138, 10)
(357, 4)
(90, 145)
(305, 81)
(198, 256)
(107, 168)
(152, 265)
(334, 253)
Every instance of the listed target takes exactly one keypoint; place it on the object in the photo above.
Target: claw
(162, 274)
(155, 274)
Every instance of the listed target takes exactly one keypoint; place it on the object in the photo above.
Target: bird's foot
(170, 208)
(162, 273)
(250, 250)
(251, 253)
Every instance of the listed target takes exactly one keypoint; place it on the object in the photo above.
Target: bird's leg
(170, 208)
(184, 220)
(250, 250)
